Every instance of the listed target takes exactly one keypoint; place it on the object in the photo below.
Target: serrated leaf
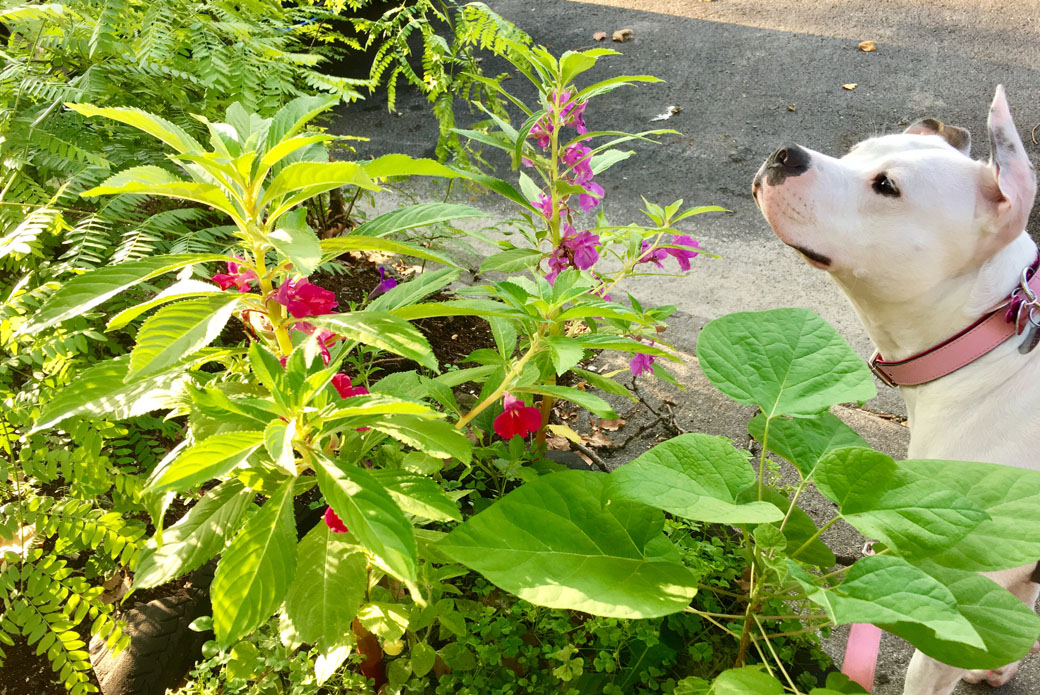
(315, 178)
(418, 495)
(207, 459)
(177, 331)
(82, 293)
(371, 515)
(561, 541)
(785, 361)
(431, 436)
(255, 571)
(330, 584)
(414, 216)
(152, 180)
(565, 353)
(511, 260)
(591, 402)
(155, 126)
(331, 248)
(694, 476)
(382, 330)
(295, 240)
(278, 438)
(195, 538)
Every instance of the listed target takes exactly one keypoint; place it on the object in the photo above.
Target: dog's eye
(884, 186)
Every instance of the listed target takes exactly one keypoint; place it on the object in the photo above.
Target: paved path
(748, 76)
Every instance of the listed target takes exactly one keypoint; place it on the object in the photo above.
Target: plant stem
(816, 535)
(513, 372)
(779, 663)
(762, 458)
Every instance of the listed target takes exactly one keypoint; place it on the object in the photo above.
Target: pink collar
(1021, 311)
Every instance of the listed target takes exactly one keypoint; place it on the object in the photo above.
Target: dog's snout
(789, 160)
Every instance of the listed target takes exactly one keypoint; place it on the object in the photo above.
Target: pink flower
(301, 298)
(518, 419)
(578, 158)
(655, 256)
(593, 194)
(341, 382)
(334, 523)
(325, 338)
(544, 203)
(582, 247)
(641, 363)
(558, 262)
(234, 278)
(683, 255)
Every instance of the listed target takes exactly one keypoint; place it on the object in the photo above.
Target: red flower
(301, 298)
(334, 522)
(341, 382)
(518, 419)
(233, 278)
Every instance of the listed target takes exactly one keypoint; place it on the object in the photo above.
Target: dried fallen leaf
(622, 35)
(611, 425)
(867, 46)
(597, 439)
(792, 107)
(599, 35)
(557, 443)
(850, 86)
(565, 432)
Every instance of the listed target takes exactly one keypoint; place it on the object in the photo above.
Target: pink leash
(861, 654)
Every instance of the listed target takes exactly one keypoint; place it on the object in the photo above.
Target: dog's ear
(1011, 187)
(960, 138)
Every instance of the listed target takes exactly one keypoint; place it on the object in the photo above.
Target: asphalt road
(749, 75)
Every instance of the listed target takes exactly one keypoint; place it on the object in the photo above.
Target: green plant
(935, 531)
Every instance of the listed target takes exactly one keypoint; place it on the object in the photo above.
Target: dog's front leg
(926, 676)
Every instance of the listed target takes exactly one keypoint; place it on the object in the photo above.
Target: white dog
(925, 242)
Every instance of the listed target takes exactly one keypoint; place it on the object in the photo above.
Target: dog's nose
(789, 160)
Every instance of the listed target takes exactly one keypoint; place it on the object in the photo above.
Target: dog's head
(899, 214)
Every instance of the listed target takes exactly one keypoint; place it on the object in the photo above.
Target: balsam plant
(594, 542)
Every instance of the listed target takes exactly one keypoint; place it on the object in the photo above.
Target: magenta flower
(582, 248)
(683, 255)
(334, 523)
(593, 194)
(345, 389)
(641, 363)
(326, 339)
(578, 158)
(544, 203)
(301, 298)
(234, 278)
(655, 256)
(570, 113)
(558, 262)
(518, 419)
(385, 283)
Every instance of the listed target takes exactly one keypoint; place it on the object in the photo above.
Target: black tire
(162, 648)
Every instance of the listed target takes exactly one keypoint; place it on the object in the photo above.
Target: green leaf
(403, 165)
(255, 571)
(694, 476)
(190, 290)
(278, 438)
(382, 330)
(804, 441)
(603, 341)
(414, 216)
(371, 515)
(292, 117)
(195, 538)
(207, 459)
(418, 495)
(565, 353)
(415, 290)
(604, 383)
(423, 658)
(915, 516)
(611, 84)
(436, 438)
(511, 261)
(1011, 499)
(102, 391)
(331, 248)
(152, 180)
(179, 330)
(502, 188)
(1007, 626)
(608, 158)
(314, 178)
(591, 402)
(330, 583)
(894, 595)
(561, 541)
(785, 361)
(749, 680)
(86, 291)
(155, 126)
(295, 240)
(798, 529)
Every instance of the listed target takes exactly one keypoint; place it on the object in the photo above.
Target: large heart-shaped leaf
(894, 595)
(803, 441)
(329, 586)
(916, 516)
(1011, 498)
(195, 538)
(694, 476)
(255, 571)
(561, 541)
(785, 361)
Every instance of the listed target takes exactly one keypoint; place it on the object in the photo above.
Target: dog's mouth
(817, 260)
